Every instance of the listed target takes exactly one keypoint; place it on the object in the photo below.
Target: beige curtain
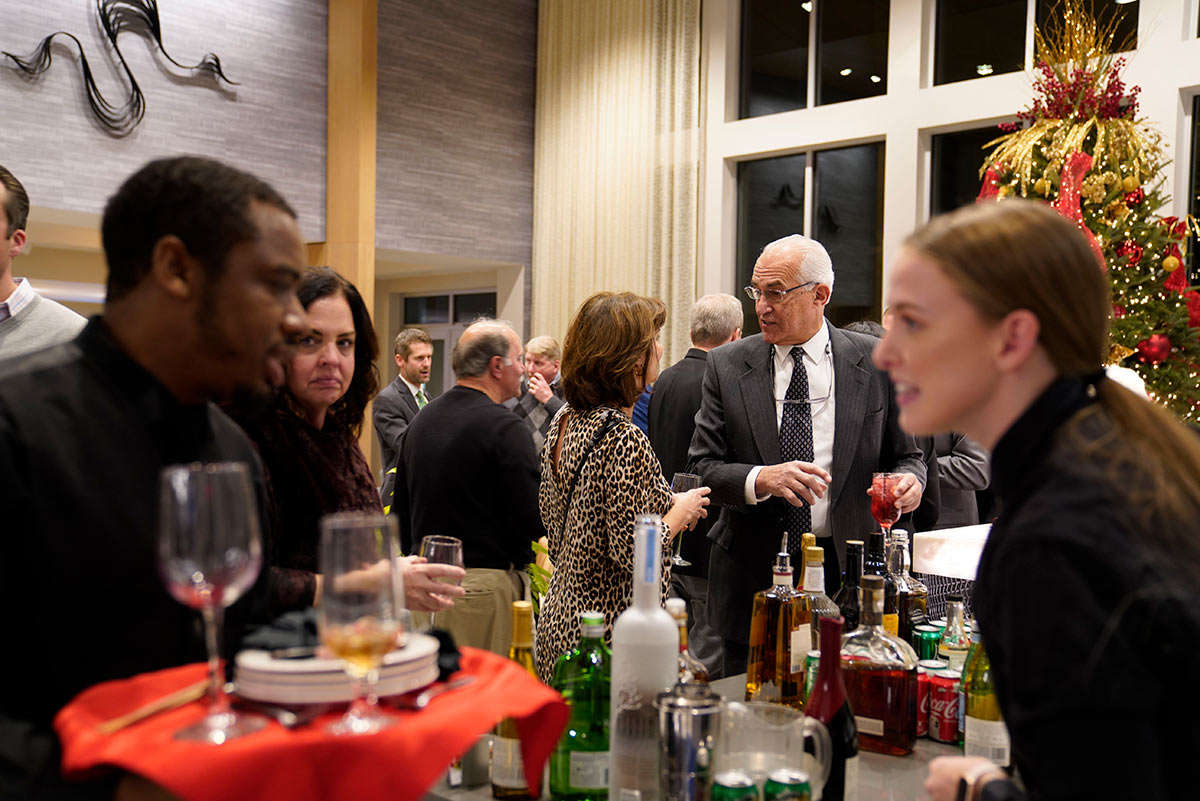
(616, 159)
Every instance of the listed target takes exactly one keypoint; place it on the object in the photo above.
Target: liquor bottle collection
(869, 665)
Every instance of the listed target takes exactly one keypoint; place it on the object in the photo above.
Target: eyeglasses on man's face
(774, 295)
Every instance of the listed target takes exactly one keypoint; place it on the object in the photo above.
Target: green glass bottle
(579, 764)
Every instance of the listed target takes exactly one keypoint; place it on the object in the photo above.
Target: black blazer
(467, 469)
(673, 406)
(393, 410)
(736, 430)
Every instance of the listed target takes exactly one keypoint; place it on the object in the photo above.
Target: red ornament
(1176, 281)
(1118, 311)
(1193, 307)
(1135, 197)
(1154, 350)
(1130, 249)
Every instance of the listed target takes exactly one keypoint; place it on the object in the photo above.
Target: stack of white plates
(325, 681)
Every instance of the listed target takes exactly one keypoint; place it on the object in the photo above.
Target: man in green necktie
(398, 403)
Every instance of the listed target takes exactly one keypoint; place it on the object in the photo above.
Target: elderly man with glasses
(792, 424)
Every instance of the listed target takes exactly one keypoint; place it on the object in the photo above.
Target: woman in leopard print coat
(599, 472)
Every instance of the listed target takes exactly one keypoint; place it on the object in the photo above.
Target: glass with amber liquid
(875, 564)
(912, 596)
(847, 597)
(779, 638)
(507, 767)
(880, 671)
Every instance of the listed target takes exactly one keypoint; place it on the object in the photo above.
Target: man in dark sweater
(467, 469)
(715, 320)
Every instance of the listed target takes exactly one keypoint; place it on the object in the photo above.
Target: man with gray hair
(541, 393)
(715, 321)
(467, 469)
(792, 424)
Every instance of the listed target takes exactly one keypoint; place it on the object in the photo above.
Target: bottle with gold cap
(819, 604)
(507, 769)
(807, 540)
(779, 638)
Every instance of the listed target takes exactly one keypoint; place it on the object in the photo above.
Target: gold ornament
(1115, 212)
(1092, 189)
(1130, 183)
(1042, 186)
(1109, 177)
(1119, 353)
(1170, 264)
(1005, 191)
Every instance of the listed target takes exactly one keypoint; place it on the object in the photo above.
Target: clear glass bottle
(829, 704)
(507, 768)
(691, 669)
(955, 640)
(912, 596)
(819, 604)
(847, 598)
(775, 669)
(881, 679)
(875, 564)
(985, 734)
(645, 663)
(579, 764)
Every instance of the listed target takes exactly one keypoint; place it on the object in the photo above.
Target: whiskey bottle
(507, 769)
(955, 640)
(645, 663)
(579, 764)
(828, 703)
(847, 597)
(881, 679)
(985, 733)
(912, 596)
(807, 540)
(875, 564)
(819, 604)
(691, 669)
(779, 638)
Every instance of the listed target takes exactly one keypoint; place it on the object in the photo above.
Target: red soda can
(943, 706)
(922, 701)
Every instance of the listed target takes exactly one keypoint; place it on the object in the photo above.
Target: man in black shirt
(203, 260)
(467, 469)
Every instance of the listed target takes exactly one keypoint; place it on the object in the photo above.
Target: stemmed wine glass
(358, 612)
(883, 501)
(443, 551)
(682, 482)
(209, 553)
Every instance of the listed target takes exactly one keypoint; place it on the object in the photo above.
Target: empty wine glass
(358, 610)
(883, 501)
(209, 553)
(443, 551)
(682, 482)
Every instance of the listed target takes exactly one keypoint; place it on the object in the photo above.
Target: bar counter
(880, 778)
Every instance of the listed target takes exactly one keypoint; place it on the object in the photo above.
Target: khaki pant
(483, 617)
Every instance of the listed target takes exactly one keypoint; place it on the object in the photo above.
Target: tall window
(791, 60)
(1193, 190)
(954, 167)
(844, 213)
(1126, 14)
(976, 38)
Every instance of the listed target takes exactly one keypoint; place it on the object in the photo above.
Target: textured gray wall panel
(455, 150)
(273, 124)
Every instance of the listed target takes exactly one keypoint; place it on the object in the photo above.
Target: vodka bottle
(645, 663)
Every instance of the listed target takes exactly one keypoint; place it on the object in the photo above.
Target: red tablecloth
(397, 764)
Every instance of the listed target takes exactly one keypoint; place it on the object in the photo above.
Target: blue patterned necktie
(796, 442)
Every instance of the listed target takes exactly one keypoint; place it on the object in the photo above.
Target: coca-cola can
(922, 701)
(943, 706)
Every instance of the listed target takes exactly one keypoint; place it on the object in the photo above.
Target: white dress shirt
(18, 300)
(818, 361)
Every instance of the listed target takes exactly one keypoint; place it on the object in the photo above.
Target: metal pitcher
(689, 719)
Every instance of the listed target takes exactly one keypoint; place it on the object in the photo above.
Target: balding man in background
(715, 320)
(467, 469)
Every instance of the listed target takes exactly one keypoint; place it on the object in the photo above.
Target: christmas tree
(1081, 147)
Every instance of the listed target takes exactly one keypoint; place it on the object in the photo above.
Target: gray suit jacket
(394, 409)
(736, 430)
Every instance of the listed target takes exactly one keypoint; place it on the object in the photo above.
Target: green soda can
(810, 672)
(734, 785)
(925, 641)
(787, 784)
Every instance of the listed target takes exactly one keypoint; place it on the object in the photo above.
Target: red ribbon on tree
(1068, 204)
(991, 184)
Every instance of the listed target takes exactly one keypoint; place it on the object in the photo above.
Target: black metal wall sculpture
(117, 17)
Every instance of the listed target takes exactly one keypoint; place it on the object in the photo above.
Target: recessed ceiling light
(808, 6)
(1123, 2)
(984, 69)
(846, 71)
(875, 79)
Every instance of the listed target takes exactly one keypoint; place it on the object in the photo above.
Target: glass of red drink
(883, 500)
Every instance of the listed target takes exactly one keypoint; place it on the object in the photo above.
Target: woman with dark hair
(1087, 593)
(308, 440)
(599, 472)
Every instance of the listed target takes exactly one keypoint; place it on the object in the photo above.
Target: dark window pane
(478, 304)
(431, 309)
(851, 50)
(848, 221)
(770, 206)
(1193, 190)
(954, 168)
(1125, 37)
(437, 373)
(979, 37)
(774, 68)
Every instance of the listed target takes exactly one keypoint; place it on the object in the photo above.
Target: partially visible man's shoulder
(31, 369)
(66, 317)
(739, 349)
